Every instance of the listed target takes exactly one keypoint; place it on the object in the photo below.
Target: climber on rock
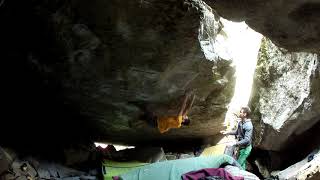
(165, 123)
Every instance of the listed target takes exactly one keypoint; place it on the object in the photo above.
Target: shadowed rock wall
(88, 70)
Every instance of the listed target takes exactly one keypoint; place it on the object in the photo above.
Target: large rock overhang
(294, 25)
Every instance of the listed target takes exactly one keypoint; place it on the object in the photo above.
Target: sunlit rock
(286, 95)
(293, 25)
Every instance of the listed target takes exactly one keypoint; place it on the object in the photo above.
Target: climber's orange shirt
(165, 123)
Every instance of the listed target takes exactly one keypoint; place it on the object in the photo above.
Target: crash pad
(113, 168)
(173, 169)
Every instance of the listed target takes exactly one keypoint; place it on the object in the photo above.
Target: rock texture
(86, 71)
(286, 106)
(308, 168)
(106, 62)
(293, 25)
(288, 101)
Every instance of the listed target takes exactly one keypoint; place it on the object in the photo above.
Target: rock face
(109, 61)
(84, 71)
(288, 101)
(293, 25)
(308, 168)
(286, 105)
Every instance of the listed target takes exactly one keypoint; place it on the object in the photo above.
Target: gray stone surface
(286, 98)
(118, 57)
(107, 60)
(293, 24)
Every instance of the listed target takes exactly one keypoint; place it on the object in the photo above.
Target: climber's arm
(183, 105)
(188, 106)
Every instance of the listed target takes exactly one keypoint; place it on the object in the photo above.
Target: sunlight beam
(243, 44)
